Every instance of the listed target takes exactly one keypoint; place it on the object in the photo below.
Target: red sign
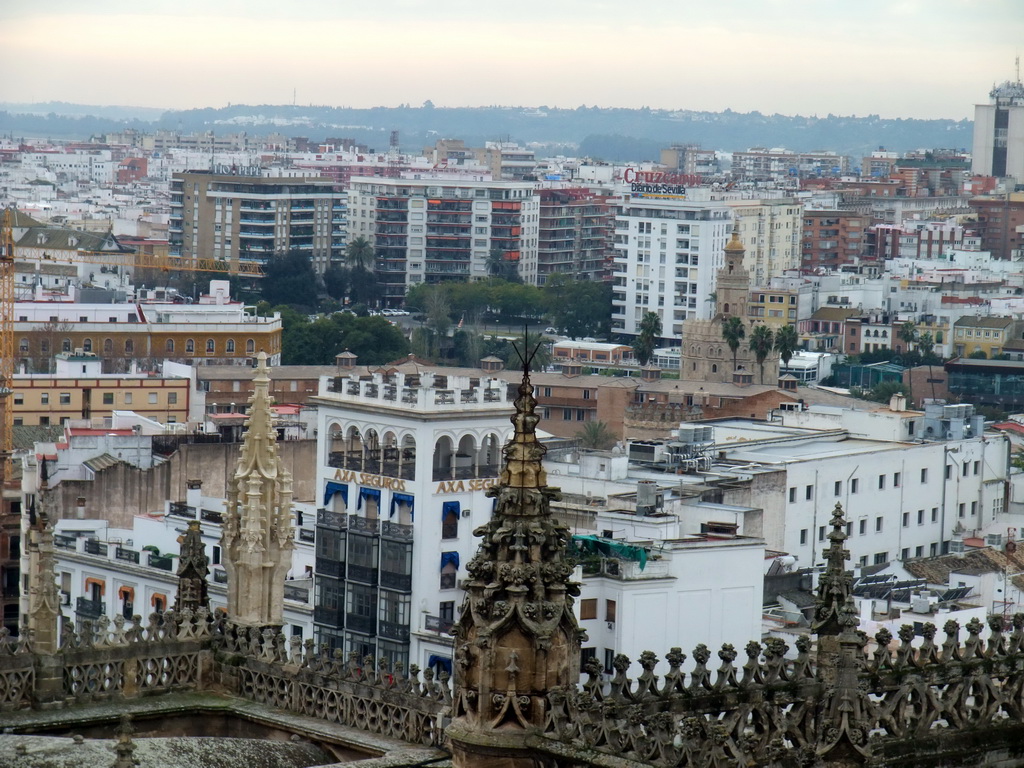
(631, 175)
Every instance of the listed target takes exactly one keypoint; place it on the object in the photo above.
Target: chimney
(80, 507)
(898, 402)
(194, 496)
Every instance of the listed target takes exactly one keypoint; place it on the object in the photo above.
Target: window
(250, 346)
(838, 489)
(87, 345)
(881, 482)
(170, 345)
(966, 468)
(906, 518)
(190, 346)
(949, 471)
(44, 398)
(108, 398)
(792, 494)
(19, 398)
(450, 520)
(65, 398)
(881, 558)
(127, 398)
(216, 555)
(230, 346)
(924, 475)
(588, 609)
(863, 527)
(854, 483)
(44, 421)
(878, 523)
(129, 346)
(581, 414)
(961, 510)
(918, 551)
(803, 536)
(172, 398)
(65, 345)
(211, 346)
(809, 492)
(974, 508)
(152, 398)
(933, 550)
(935, 514)
(108, 346)
(567, 414)
(609, 610)
(821, 533)
(896, 477)
(977, 467)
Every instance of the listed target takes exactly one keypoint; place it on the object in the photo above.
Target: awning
(440, 661)
(401, 498)
(610, 548)
(450, 508)
(333, 488)
(450, 557)
(368, 493)
(90, 582)
(126, 593)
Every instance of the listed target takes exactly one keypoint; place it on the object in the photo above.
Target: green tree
(362, 283)
(596, 435)
(290, 279)
(762, 342)
(786, 343)
(978, 354)
(500, 266)
(359, 254)
(733, 333)
(650, 330)
(336, 281)
(578, 307)
(907, 333)
(533, 344)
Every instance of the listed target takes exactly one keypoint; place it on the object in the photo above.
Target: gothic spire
(43, 596)
(835, 611)
(257, 536)
(517, 641)
(193, 568)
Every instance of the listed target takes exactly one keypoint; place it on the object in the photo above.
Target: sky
(894, 58)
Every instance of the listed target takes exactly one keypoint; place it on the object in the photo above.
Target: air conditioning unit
(65, 598)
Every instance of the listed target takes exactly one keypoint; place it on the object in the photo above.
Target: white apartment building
(770, 231)
(440, 229)
(668, 251)
(404, 465)
(999, 133)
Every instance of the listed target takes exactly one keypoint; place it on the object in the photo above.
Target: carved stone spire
(43, 595)
(843, 724)
(257, 536)
(193, 568)
(124, 748)
(517, 640)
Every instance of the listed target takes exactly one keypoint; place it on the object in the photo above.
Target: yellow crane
(153, 261)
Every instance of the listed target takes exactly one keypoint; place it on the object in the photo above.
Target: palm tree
(643, 345)
(908, 333)
(786, 343)
(762, 342)
(359, 253)
(596, 435)
(926, 346)
(733, 332)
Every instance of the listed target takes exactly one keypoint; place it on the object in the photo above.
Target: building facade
(831, 239)
(440, 230)
(573, 235)
(999, 133)
(770, 232)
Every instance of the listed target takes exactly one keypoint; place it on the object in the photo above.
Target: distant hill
(608, 133)
(65, 109)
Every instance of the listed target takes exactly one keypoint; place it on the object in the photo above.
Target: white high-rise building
(999, 133)
(667, 253)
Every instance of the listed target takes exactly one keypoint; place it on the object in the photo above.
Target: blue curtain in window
(368, 493)
(450, 557)
(401, 498)
(450, 508)
(333, 488)
(440, 661)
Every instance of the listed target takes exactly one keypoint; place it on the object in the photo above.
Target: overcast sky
(896, 58)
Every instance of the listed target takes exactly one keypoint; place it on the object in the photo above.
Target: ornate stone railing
(17, 671)
(271, 669)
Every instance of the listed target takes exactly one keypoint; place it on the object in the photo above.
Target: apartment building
(831, 239)
(667, 253)
(1000, 223)
(981, 334)
(770, 232)
(761, 164)
(912, 240)
(574, 234)
(439, 230)
(238, 214)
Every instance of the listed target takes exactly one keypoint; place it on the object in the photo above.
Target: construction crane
(153, 261)
(7, 343)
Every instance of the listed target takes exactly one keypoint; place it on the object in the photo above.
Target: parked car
(549, 329)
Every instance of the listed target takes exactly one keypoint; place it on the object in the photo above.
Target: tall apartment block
(770, 232)
(999, 133)
(234, 217)
(760, 164)
(441, 230)
(832, 239)
(573, 236)
(667, 254)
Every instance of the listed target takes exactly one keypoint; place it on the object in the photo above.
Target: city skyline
(895, 59)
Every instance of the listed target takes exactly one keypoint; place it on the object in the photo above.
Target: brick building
(831, 239)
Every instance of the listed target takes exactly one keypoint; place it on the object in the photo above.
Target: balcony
(398, 581)
(89, 609)
(393, 631)
(326, 567)
(367, 625)
(95, 547)
(211, 517)
(181, 509)
(357, 524)
(296, 593)
(306, 535)
(220, 576)
(397, 531)
(364, 574)
(437, 624)
(467, 473)
(331, 617)
(126, 555)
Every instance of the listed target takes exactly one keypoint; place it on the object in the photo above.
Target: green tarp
(611, 548)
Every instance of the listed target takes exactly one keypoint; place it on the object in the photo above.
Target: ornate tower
(733, 281)
(257, 537)
(517, 641)
(193, 568)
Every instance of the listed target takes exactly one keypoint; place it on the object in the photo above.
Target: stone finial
(517, 640)
(193, 570)
(125, 747)
(43, 595)
(835, 611)
(258, 536)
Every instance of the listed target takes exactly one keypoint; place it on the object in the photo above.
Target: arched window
(87, 345)
(65, 345)
(190, 346)
(170, 345)
(108, 346)
(23, 346)
(250, 346)
(211, 346)
(230, 346)
(44, 346)
(725, 309)
(714, 368)
(129, 346)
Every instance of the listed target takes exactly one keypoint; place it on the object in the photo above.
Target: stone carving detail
(193, 570)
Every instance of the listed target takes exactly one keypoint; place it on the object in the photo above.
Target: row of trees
(373, 340)
(763, 341)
